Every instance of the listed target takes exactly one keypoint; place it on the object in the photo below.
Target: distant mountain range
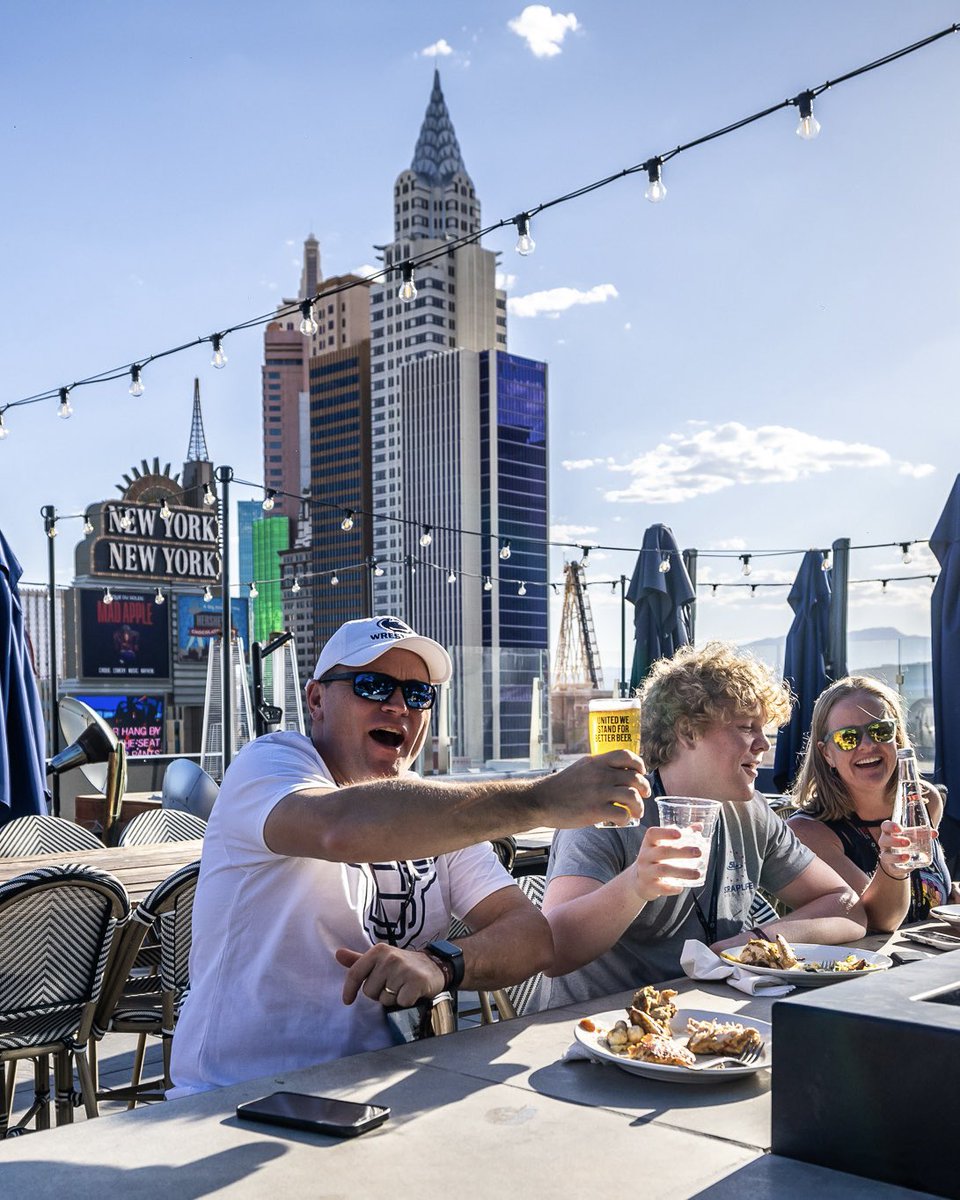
(866, 648)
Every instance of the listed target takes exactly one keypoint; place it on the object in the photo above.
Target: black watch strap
(450, 956)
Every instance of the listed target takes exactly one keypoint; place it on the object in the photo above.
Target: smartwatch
(450, 960)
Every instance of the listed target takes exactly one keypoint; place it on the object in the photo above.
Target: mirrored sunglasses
(850, 736)
(372, 685)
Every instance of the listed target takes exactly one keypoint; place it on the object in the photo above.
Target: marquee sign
(133, 541)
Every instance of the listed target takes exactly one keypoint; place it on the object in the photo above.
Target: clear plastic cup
(696, 820)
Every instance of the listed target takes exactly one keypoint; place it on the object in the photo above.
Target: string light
(347, 523)
(207, 594)
(656, 191)
(408, 289)
(219, 359)
(52, 530)
(65, 411)
(487, 585)
(4, 431)
(87, 525)
(753, 590)
(505, 549)
(254, 593)
(159, 598)
(334, 580)
(268, 499)
(746, 568)
(826, 564)
(714, 588)
(809, 126)
(208, 496)
(296, 585)
(664, 564)
(905, 553)
(166, 513)
(308, 324)
(126, 520)
(525, 243)
(883, 587)
(522, 589)
(136, 387)
(108, 596)
(452, 577)
(426, 537)
(377, 569)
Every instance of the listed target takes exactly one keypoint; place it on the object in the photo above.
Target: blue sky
(765, 360)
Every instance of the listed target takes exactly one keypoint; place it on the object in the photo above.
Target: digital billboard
(126, 639)
(136, 720)
(198, 621)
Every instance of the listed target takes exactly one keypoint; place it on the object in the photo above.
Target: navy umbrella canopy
(22, 738)
(945, 631)
(804, 660)
(662, 601)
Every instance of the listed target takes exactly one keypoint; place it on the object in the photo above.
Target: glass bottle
(910, 812)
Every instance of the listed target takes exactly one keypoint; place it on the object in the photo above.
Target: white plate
(606, 1020)
(947, 912)
(812, 953)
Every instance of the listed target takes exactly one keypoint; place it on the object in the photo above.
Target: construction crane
(578, 656)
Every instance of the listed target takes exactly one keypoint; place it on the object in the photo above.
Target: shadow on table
(772, 1178)
(152, 1181)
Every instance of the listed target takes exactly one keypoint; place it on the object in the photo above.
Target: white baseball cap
(359, 643)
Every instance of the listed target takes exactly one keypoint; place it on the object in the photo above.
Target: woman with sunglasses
(845, 793)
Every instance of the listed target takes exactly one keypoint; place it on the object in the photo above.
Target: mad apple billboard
(136, 720)
(126, 639)
(199, 621)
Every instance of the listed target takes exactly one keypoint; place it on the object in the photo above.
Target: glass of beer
(614, 725)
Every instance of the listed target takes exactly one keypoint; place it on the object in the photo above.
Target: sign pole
(224, 475)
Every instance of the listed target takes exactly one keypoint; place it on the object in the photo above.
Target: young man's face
(361, 740)
(722, 762)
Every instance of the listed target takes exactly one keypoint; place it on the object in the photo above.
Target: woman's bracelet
(898, 878)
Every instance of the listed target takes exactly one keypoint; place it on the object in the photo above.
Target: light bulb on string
(745, 569)
(905, 557)
(522, 589)
(826, 564)
(166, 512)
(347, 523)
(207, 594)
(487, 585)
(4, 431)
(664, 564)
(408, 289)
(656, 191)
(883, 587)
(136, 387)
(713, 588)
(159, 598)
(108, 596)
(87, 525)
(334, 580)
(377, 569)
(753, 591)
(525, 243)
(254, 591)
(308, 324)
(126, 521)
(452, 577)
(208, 495)
(52, 530)
(426, 537)
(268, 499)
(219, 359)
(296, 585)
(809, 126)
(505, 549)
(65, 411)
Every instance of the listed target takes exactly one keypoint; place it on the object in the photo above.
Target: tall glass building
(270, 536)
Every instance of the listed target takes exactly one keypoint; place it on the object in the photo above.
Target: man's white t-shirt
(265, 992)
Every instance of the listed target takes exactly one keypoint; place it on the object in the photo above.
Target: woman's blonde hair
(695, 688)
(818, 790)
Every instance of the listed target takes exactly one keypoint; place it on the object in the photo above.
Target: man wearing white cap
(329, 874)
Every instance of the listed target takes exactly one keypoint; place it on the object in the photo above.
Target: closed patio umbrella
(662, 602)
(22, 739)
(945, 652)
(804, 660)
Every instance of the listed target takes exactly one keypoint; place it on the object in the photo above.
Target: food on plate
(657, 1048)
(587, 1025)
(652, 1010)
(850, 963)
(721, 1037)
(778, 954)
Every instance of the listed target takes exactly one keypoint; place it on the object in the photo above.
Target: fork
(747, 1057)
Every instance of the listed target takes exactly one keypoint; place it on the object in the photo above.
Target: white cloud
(734, 543)
(504, 281)
(442, 47)
(542, 29)
(364, 270)
(571, 533)
(557, 300)
(714, 458)
(916, 470)
(583, 464)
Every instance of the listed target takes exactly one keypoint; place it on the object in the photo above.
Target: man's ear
(314, 697)
(685, 735)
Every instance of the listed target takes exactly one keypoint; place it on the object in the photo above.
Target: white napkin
(700, 962)
(576, 1052)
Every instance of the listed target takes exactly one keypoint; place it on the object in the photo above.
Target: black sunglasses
(372, 685)
(850, 736)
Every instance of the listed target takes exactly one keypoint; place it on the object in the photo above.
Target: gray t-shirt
(758, 849)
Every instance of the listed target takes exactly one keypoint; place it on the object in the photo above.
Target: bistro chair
(57, 928)
(162, 825)
(150, 1004)
(37, 834)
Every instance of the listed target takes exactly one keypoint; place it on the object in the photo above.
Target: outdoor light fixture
(207, 594)
(753, 590)
(208, 496)
(714, 587)
(905, 552)
(585, 555)
(664, 564)
(826, 564)
(254, 593)
(347, 523)
(308, 325)
(159, 598)
(296, 584)
(4, 431)
(377, 569)
(52, 530)
(655, 189)
(166, 513)
(809, 126)
(136, 383)
(334, 580)
(487, 585)
(883, 587)
(108, 597)
(426, 537)
(525, 243)
(66, 408)
(746, 568)
(522, 589)
(452, 577)
(126, 521)
(407, 289)
(87, 525)
(219, 358)
(505, 549)
(268, 499)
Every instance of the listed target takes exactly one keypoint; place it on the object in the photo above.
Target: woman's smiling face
(865, 770)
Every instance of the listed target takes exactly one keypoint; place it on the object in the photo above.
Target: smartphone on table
(316, 1114)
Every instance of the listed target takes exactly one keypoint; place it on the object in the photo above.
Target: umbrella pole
(224, 475)
(624, 689)
(49, 514)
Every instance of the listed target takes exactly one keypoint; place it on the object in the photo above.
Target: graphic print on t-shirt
(394, 903)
